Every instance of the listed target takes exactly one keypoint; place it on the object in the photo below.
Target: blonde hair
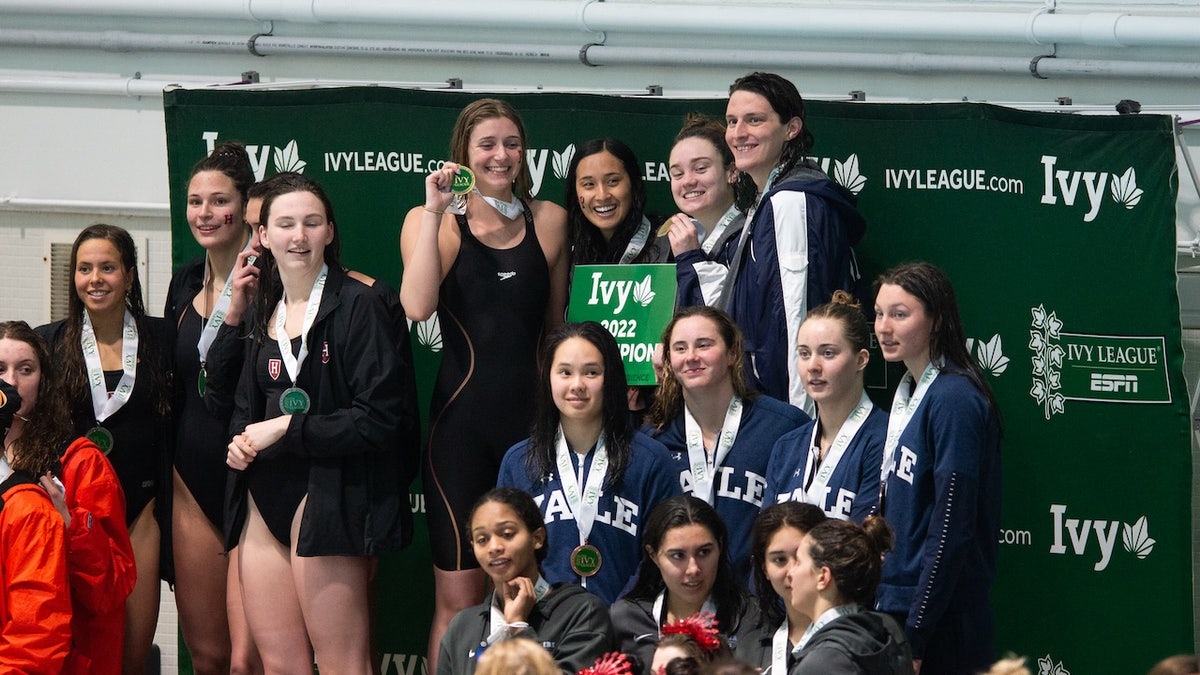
(1012, 665)
(518, 656)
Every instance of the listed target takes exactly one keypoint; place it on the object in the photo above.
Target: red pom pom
(701, 626)
(612, 663)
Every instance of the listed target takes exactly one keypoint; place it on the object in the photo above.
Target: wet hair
(681, 511)
(696, 125)
(668, 402)
(728, 666)
(72, 373)
(769, 521)
(847, 310)
(853, 553)
(521, 504)
(787, 103)
(947, 339)
(48, 429)
(517, 656)
(616, 426)
(588, 246)
(271, 289)
(482, 110)
(231, 159)
(1180, 664)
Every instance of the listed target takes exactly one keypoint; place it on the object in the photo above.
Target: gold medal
(664, 228)
(585, 560)
(464, 181)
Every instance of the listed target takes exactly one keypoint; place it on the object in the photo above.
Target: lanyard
(498, 626)
(293, 362)
(903, 407)
(584, 501)
(103, 405)
(819, 473)
(659, 610)
(637, 243)
(704, 471)
(779, 649)
(826, 616)
(509, 209)
(219, 310)
(723, 224)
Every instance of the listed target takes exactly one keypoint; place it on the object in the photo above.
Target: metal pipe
(143, 209)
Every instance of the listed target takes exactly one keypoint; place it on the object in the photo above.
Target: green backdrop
(1057, 229)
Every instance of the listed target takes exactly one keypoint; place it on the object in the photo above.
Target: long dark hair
(523, 505)
(616, 427)
(588, 246)
(853, 553)
(681, 511)
(48, 428)
(786, 101)
(271, 289)
(73, 372)
(947, 340)
(229, 158)
(668, 402)
(770, 520)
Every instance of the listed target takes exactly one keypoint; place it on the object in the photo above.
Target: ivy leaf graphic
(1039, 316)
(1125, 190)
(287, 158)
(1057, 403)
(991, 356)
(429, 333)
(847, 174)
(1038, 391)
(1055, 378)
(1053, 325)
(1035, 340)
(1136, 539)
(1056, 355)
(1046, 665)
(642, 294)
(562, 161)
(1039, 365)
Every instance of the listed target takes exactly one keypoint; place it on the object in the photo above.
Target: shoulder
(27, 506)
(547, 214)
(771, 408)
(565, 596)
(52, 332)
(648, 451)
(626, 612)
(956, 390)
(800, 435)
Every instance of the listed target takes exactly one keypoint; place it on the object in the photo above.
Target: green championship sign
(1057, 230)
(635, 304)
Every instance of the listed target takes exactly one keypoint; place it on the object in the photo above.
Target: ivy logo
(1069, 185)
(642, 294)
(990, 355)
(846, 173)
(429, 333)
(562, 161)
(1047, 666)
(1075, 535)
(1125, 190)
(1047, 360)
(287, 159)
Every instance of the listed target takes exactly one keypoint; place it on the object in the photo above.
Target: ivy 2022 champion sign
(635, 304)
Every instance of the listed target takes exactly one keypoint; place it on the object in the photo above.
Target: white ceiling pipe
(11, 203)
(123, 41)
(862, 22)
(108, 86)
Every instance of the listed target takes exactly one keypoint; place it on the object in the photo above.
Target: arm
(36, 633)
(825, 661)
(585, 635)
(100, 564)
(789, 212)
(427, 249)
(550, 221)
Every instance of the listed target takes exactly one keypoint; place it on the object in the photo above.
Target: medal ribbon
(660, 605)
(779, 650)
(209, 333)
(637, 243)
(904, 405)
(498, 626)
(723, 224)
(826, 616)
(103, 405)
(584, 501)
(509, 209)
(815, 494)
(704, 472)
(290, 362)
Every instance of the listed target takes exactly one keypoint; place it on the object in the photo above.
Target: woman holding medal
(833, 581)
(492, 262)
(204, 293)
(114, 367)
(719, 432)
(703, 174)
(777, 533)
(795, 249)
(685, 569)
(87, 493)
(606, 202)
(940, 482)
(594, 476)
(318, 405)
(832, 462)
(509, 538)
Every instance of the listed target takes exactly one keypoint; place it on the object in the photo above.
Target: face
(214, 210)
(298, 231)
(829, 366)
(605, 191)
(577, 380)
(699, 356)
(494, 153)
(688, 559)
(780, 557)
(19, 367)
(504, 546)
(804, 579)
(254, 212)
(903, 327)
(755, 133)
(699, 181)
(663, 656)
(101, 278)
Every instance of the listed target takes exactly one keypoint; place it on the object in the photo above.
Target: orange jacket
(35, 603)
(99, 560)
